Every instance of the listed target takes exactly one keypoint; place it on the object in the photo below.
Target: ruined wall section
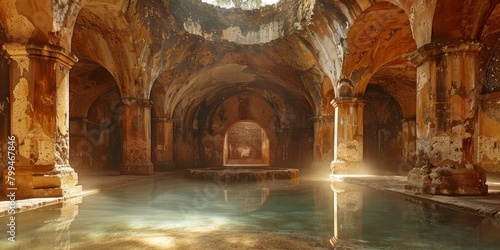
(384, 137)
(489, 116)
(95, 141)
(327, 35)
(489, 135)
(243, 26)
(202, 144)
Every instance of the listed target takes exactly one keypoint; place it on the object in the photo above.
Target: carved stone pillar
(163, 147)
(39, 115)
(348, 136)
(447, 110)
(323, 141)
(136, 129)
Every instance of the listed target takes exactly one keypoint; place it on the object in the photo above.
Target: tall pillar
(136, 135)
(39, 115)
(163, 147)
(323, 141)
(348, 136)
(447, 110)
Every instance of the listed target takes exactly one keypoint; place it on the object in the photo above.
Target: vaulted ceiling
(182, 53)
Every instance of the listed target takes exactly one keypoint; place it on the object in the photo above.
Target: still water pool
(172, 212)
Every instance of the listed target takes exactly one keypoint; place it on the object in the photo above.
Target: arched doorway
(246, 144)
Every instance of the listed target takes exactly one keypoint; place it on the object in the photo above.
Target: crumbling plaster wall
(489, 115)
(134, 44)
(95, 118)
(489, 135)
(45, 22)
(95, 141)
(200, 143)
(243, 26)
(385, 137)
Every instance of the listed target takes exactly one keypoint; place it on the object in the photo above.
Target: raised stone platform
(447, 180)
(241, 174)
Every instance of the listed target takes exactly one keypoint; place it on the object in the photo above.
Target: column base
(41, 182)
(137, 169)
(347, 167)
(447, 180)
(164, 166)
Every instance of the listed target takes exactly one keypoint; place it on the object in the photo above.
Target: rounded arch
(246, 143)
(381, 36)
(95, 118)
(382, 131)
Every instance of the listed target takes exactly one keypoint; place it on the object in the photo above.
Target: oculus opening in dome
(241, 4)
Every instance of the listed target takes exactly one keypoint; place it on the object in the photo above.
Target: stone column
(348, 136)
(136, 135)
(447, 110)
(163, 147)
(323, 141)
(39, 114)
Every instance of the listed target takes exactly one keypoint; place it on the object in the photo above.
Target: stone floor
(92, 183)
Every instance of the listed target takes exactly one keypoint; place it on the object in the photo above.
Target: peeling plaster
(136, 151)
(60, 9)
(350, 151)
(23, 110)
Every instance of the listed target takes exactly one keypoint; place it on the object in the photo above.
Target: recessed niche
(246, 144)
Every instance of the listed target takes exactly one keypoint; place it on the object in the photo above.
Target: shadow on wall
(96, 142)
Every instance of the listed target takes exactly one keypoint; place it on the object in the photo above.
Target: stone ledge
(241, 174)
(488, 205)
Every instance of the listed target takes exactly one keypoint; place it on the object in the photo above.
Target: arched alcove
(246, 144)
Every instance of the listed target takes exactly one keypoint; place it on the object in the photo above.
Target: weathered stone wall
(201, 145)
(95, 141)
(243, 26)
(488, 140)
(489, 133)
(386, 140)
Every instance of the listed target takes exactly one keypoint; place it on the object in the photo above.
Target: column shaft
(39, 114)
(163, 147)
(447, 109)
(136, 135)
(348, 137)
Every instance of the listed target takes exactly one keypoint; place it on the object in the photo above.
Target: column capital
(162, 119)
(137, 102)
(17, 50)
(440, 48)
(348, 100)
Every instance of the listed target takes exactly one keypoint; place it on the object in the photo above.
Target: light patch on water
(159, 241)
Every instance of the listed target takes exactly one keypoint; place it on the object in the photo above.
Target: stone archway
(246, 144)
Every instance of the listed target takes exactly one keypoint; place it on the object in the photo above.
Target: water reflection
(175, 213)
(44, 228)
(371, 219)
